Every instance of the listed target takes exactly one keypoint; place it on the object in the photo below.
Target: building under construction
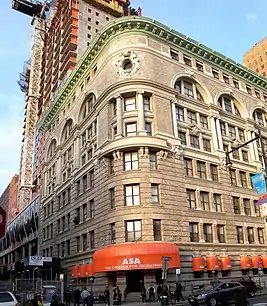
(62, 31)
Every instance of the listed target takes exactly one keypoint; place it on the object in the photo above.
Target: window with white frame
(132, 195)
(146, 102)
(133, 230)
(129, 104)
(87, 106)
(154, 193)
(131, 129)
(179, 111)
(260, 117)
(131, 161)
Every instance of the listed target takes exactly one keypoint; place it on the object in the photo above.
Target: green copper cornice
(159, 31)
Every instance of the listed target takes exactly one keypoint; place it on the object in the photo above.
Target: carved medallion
(127, 65)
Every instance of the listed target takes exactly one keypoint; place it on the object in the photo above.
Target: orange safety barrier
(198, 264)
(226, 263)
(212, 263)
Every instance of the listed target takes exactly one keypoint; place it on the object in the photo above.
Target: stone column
(219, 134)
(76, 151)
(201, 232)
(256, 237)
(174, 121)
(245, 233)
(214, 232)
(255, 146)
(119, 117)
(141, 113)
(214, 133)
(45, 189)
(58, 168)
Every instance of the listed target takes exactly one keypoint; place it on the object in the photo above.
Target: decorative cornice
(146, 26)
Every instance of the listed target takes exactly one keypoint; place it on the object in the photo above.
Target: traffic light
(91, 279)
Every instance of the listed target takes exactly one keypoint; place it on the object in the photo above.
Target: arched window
(67, 130)
(259, 116)
(189, 89)
(228, 104)
(52, 148)
(87, 106)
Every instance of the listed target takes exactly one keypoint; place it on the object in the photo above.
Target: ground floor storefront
(133, 265)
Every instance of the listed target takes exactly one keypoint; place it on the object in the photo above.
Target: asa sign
(131, 261)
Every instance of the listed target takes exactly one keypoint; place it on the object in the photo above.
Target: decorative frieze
(144, 152)
(117, 155)
(177, 151)
(162, 154)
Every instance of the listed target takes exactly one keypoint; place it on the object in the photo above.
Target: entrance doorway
(134, 280)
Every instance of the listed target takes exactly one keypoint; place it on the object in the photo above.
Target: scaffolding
(29, 83)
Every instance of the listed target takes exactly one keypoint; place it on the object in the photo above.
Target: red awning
(226, 263)
(245, 262)
(256, 262)
(88, 270)
(74, 272)
(80, 271)
(135, 256)
(198, 264)
(212, 263)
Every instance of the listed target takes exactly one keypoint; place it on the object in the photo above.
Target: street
(258, 299)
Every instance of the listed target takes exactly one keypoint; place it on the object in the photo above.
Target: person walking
(76, 297)
(68, 296)
(85, 295)
(151, 293)
(179, 293)
(107, 296)
(143, 294)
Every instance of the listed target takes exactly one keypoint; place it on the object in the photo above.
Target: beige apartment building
(135, 162)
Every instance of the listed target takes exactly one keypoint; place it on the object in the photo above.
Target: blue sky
(228, 26)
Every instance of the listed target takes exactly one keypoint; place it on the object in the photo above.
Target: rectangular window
(92, 239)
(191, 117)
(148, 128)
(188, 167)
(157, 230)
(194, 233)
(133, 231)
(236, 83)
(84, 182)
(194, 142)
(199, 66)
(191, 198)
(256, 208)
(131, 161)
(207, 231)
(182, 137)
(131, 129)
(206, 145)
(78, 246)
(179, 113)
(84, 212)
(91, 209)
(84, 242)
(188, 89)
(215, 73)
(78, 188)
(226, 79)
(231, 130)
(112, 233)
(146, 101)
(236, 206)
(236, 155)
(129, 104)
(250, 233)
(245, 156)
(260, 235)
(223, 128)
(154, 194)
(217, 201)
(233, 176)
(249, 90)
(241, 135)
(214, 173)
(68, 247)
(153, 160)
(112, 197)
(221, 233)
(132, 195)
(187, 61)
(204, 122)
(247, 207)
(92, 178)
(204, 200)
(243, 179)
(201, 170)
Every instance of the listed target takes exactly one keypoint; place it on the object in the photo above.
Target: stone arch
(67, 129)
(87, 106)
(230, 95)
(202, 89)
(254, 114)
(51, 148)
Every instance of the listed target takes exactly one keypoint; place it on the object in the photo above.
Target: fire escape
(29, 83)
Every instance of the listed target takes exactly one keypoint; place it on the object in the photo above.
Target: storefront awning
(135, 256)
(82, 271)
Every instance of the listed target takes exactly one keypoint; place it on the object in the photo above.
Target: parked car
(217, 293)
(8, 299)
(249, 284)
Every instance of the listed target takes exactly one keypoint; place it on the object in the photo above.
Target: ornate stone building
(135, 162)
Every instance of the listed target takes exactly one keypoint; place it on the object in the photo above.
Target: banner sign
(259, 184)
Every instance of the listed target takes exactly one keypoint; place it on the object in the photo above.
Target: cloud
(11, 114)
(252, 17)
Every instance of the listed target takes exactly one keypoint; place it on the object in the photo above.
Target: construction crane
(29, 83)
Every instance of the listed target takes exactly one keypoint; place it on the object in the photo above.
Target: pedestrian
(54, 300)
(107, 296)
(151, 293)
(179, 293)
(159, 292)
(85, 295)
(165, 295)
(76, 297)
(143, 294)
(68, 296)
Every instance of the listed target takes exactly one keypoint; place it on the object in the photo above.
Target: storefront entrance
(134, 280)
